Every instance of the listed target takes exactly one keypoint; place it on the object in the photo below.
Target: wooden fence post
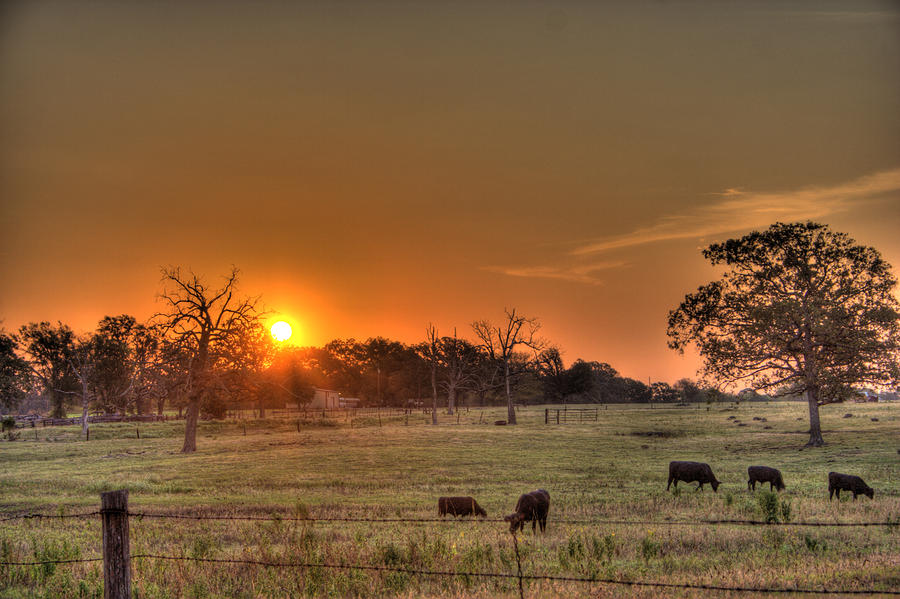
(546, 415)
(116, 550)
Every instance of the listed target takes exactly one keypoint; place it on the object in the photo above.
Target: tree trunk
(451, 399)
(190, 426)
(84, 409)
(815, 427)
(59, 404)
(433, 395)
(510, 409)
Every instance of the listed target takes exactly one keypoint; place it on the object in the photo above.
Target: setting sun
(281, 331)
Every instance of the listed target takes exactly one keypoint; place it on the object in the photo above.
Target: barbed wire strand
(521, 577)
(530, 577)
(500, 520)
(47, 562)
(47, 516)
(277, 518)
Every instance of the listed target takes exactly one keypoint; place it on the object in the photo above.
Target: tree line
(800, 310)
(207, 351)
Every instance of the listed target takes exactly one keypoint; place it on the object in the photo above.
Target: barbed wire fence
(117, 558)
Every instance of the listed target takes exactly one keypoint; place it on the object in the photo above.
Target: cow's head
(516, 521)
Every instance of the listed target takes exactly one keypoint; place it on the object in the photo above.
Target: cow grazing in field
(692, 472)
(764, 474)
(838, 482)
(459, 506)
(531, 507)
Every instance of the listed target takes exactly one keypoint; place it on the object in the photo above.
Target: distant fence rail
(566, 415)
(33, 421)
(117, 557)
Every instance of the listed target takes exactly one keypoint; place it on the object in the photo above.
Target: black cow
(764, 474)
(692, 472)
(838, 482)
(531, 507)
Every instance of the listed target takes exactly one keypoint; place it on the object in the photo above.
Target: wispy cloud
(741, 210)
(584, 273)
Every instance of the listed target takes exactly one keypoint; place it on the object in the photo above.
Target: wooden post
(116, 550)
(557, 416)
(138, 431)
(546, 415)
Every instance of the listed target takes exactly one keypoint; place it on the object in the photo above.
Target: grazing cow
(459, 506)
(692, 472)
(764, 474)
(838, 482)
(531, 507)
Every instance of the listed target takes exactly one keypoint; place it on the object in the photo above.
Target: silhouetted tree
(429, 352)
(635, 391)
(202, 321)
(47, 350)
(663, 392)
(555, 379)
(500, 342)
(113, 368)
(458, 359)
(688, 390)
(14, 372)
(800, 308)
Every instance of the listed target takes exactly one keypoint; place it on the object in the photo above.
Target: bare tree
(500, 342)
(430, 351)
(82, 359)
(202, 321)
(458, 358)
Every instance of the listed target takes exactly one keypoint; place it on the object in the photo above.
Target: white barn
(325, 398)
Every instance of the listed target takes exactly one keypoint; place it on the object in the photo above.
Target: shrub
(649, 547)
(768, 505)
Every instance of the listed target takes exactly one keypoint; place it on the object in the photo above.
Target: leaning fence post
(116, 551)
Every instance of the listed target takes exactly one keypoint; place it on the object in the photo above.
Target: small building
(325, 399)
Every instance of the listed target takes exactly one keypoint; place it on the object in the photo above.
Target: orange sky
(373, 167)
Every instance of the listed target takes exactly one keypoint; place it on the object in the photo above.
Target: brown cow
(459, 506)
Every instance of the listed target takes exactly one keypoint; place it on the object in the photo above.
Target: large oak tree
(800, 309)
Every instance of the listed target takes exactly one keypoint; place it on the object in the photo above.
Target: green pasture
(613, 469)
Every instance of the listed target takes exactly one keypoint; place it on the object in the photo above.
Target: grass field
(614, 469)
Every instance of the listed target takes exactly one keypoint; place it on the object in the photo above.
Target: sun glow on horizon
(281, 331)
